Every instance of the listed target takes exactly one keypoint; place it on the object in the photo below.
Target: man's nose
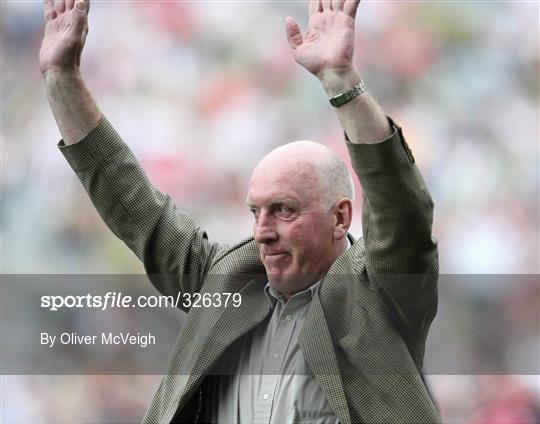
(264, 230)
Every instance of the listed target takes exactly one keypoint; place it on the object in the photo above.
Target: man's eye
(284, 212)
(255, 212)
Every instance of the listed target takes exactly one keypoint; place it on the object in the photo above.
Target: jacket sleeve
(176, 253)
(397, 215)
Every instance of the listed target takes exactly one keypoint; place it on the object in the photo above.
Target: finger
(69, 4)
(84, 34)
(79, 21)
(326, 5)
(315, 6)
(294, 35)
(49, 12)
(350, 7)
(59, 6)
(338, 4)
(82, 6)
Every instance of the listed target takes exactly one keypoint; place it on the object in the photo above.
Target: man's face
(293, 231)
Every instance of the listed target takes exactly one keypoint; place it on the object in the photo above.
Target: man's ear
(342, 218)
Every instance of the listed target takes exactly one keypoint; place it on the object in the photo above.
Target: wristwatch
(347, 96)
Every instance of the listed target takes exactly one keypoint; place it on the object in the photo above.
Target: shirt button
(276, 355)
(288, 317)
(266, 396)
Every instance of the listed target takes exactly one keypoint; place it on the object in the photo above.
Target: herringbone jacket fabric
(365, 332)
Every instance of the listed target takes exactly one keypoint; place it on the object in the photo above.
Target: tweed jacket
(365, 332)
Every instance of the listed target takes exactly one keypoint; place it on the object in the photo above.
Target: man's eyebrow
(276, 201)
(281, 200)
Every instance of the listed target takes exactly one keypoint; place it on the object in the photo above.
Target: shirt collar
(273, 294)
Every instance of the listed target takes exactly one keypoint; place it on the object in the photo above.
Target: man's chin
(289, 283)
(280, 282)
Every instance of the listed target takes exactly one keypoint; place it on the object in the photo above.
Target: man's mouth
(274, 257)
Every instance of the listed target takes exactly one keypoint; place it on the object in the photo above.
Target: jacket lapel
(316, 345)
(230, 325)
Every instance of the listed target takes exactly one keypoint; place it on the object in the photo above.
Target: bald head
(311, 167)
(300, 195)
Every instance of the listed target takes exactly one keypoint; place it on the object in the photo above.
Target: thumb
(79, 17)
(294, 35)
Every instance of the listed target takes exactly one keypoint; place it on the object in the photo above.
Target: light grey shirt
(264, 378)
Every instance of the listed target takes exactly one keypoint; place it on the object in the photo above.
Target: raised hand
(329, 41)
(66, 26)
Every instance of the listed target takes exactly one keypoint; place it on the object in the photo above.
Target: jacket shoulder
(242, 257)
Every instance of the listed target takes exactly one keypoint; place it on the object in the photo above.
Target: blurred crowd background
(202, 90)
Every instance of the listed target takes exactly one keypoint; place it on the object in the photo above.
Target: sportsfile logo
(119, 300)
(111, 299)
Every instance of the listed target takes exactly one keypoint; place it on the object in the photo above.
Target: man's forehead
(280, 189)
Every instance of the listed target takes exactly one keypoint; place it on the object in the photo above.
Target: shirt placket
(273, 361)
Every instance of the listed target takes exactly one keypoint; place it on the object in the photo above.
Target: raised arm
(326, 50)
(66, 27)
(175, 252)
(401, 256)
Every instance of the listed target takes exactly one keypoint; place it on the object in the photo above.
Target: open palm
(329, 40)
(66, 26)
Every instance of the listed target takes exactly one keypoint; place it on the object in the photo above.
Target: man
(335, 330)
